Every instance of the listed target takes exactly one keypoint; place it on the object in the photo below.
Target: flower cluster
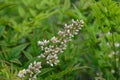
(52, 48)
(33, 70)
(59, 43)
(52, 59)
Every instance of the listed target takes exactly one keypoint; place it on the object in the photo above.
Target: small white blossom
(22, 73)
(46, 42)
(82, 22)
(66, 26)
(113, 71)
(52, 59)
(41, 56)
(108, 33)
(117, 44)
(43, 43)
(54, 40)
(108, 44)
(60, 33)
(40, 43)
(110, 55)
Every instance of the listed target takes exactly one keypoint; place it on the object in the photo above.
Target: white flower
(60, 33)
(22, 73)
(117, 44)
(54, 40)
(40, 43)
(113, 71)
(66, 26)
(52, 59)
(68, 31)
(82, 22)
(110, 55)
(73, 21)
(108, 44)
(30, 66)
(41, 56)
(108, 33)
(113, 52)
(43, 43)
(71, 35)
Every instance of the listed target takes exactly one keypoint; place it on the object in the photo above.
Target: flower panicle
(52, 48)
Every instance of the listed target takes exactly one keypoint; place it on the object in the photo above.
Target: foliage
(91, 55)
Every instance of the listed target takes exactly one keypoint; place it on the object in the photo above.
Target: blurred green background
(92, 55)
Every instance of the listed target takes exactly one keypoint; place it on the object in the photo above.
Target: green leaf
(67, 4)
(3, 6)
(45, 70)
(33, 12)
(2, 28)
(15, 61)
(15, 52)
(28, 55)
(21, 11)
(78, 13)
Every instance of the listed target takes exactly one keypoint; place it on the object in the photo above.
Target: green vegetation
(93, 54)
